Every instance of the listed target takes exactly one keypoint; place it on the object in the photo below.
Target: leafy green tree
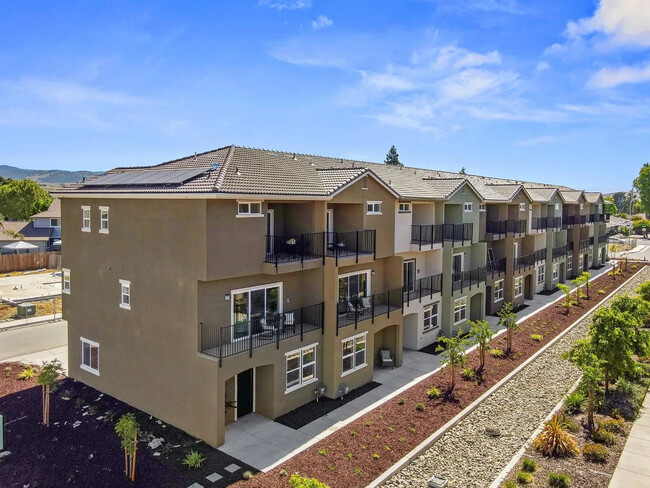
(586, 276)
(453, 354)
(4, 181)
(481, 333)
(392, 157)
(644, 291)
(583, 356)
(610, 206)
(128, 429)
(642, 185)
(48, 379)
(21, 199)
(508, 319)
(578, 282)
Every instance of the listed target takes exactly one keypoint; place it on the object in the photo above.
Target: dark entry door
(585, 261)
(244, 393)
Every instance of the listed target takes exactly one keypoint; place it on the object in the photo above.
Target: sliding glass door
(353, 285)
(250, 306)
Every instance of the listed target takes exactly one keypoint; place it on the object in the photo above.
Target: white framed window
(556, 272)
(252, 306)
(541, 274)
(460, 310)
(519, 286)
(516, 250)
(354, 353)
(498, 291)
(103, 220)
(482, 207)
(569, 264)
(522, 207)
(373, 208)
(557, 206)
(85, 218)
(404, 207)
(582, 206)
(249, 209)
(430, 317)
(301, 367)
(55, 223)
(65, 283)
(598, 208)
(580, 260)
(125, 294)
(90, 356)
(468, 207)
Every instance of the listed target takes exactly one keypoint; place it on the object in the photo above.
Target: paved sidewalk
(633, 469)
(56, 317)
(37, 358)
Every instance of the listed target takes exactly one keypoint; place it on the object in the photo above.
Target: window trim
(249, 214)
(519, 279)
(569, 264)
(84, 366)
(58, 222)
(403, 207)
(522, 206)
(431, 317)
(64, 272)
(83, 219)
(556, 271)
(356, 366)
(301, 367)
(373, 203)
(468, 207)
(101, 220)
(494, 294)
(127, 283)
(456, 322)
(541, 271)
(582, 206)
(482, 207)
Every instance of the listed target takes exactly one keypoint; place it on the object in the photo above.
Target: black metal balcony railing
(571, 220)
(422, 287)
(292, 248)
(458, 233)
(355, 243)
(357, 308)
(523, 262)
(596, 218)
(560, 252)
(540, 224)
(500, 228)
(585, 243)
(427, 234)
(468, 279)
(222, 342)
(496, 267)
(540, 255)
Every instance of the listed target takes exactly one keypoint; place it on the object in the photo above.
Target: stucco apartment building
(242, 280)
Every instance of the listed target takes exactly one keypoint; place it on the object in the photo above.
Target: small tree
(453, 355)
(586, 276)
(582, 355)
(392, 158)
(127, 429)
(508, 319)
(577, 282)
(481, 333)
(48, 379)
(567, 301)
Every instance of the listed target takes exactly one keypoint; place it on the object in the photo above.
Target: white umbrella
(57, 242)
(19, 246)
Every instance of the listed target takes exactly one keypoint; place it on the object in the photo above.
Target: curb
(427, 443)
(5, 328)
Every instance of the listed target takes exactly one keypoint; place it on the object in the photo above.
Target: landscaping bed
(356, 454)
(43, 307)
(80, 448)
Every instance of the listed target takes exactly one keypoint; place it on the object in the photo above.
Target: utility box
(26, 310)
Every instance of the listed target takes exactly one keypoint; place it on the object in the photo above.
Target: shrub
(27, 374)
(322, 452)
(510, 484)
(282, 472)
(604, 437)
(528, 465)
(496, 353)
(247, 475)
(568, 424)
(596, 453)
(536, 337)
(352, 433)
(419, 407)
(402, 439)
(194, 460)
(376, 456)
(558, 480)
(554, 441)
(574, 402)
(524, 478)
(297, 481)
(624, 386)
(433, 392)
(601, 292)
(615, 426)
(401, 401)
(350, 455)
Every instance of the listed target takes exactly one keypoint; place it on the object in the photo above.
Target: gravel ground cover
(466, 455)
(360, 452)
(80, 447)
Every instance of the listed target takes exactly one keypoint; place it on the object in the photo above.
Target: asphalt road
(643, 253)
(33, 338)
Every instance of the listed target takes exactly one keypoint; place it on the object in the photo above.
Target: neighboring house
(258, 277)
(43, 230)
(51, 219)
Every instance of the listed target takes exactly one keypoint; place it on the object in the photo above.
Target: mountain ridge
(45, 176)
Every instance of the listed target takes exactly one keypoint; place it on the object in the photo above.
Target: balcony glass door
(353, 286)
(457, 266)
(409, 275)
(251, 306)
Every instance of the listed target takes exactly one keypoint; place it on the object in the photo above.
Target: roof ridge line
(224, 167)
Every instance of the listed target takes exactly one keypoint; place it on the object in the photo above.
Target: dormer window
(482, 207)
(582, 206)
(468, 207)
(249, 209)
(373, 208)
(522, 207)
(404, 207)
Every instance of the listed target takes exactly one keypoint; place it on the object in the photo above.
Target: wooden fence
(25, 262)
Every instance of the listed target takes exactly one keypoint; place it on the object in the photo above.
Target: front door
(244, 393)
(409, 275)
(585, 262)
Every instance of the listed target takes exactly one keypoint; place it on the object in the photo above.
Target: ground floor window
(591, 254)
(519, 286)
(354, 353)
(460, 310)
(430, 317)
(541, 274)
(555, 271)
(498, 291)
(569, 265)
(90, 356)
(301, 367)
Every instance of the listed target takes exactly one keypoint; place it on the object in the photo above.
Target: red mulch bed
(8, 382)
(346, 458)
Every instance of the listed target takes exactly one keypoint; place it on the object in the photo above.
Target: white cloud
(537, 140)
(542, 66)
(612, 77)
(321, 22)
(286, 4)
(67, 93)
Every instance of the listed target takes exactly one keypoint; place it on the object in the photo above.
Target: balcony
(222, 342)
(294, 248)
(540, 255)
(571, 220)
(423, 287)
(496, 267)
(434, 234)
(525, 262)
(499, 229)
(585, 243)
(560, 252)
(351, 244)
(540, 224)
(468, 279)
(356, 309)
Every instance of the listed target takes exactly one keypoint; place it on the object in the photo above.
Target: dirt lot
(43, 307)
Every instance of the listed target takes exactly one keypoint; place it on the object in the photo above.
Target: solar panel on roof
(158, 177)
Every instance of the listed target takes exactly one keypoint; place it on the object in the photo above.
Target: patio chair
(352, 310)
(289, 321)
(386, 358)
(366, 305)
(268, 328)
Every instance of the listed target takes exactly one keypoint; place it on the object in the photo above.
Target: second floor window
(85, 219)
(373, 208)
(482, 207)
(522, 207)
(405, 207)
(249, 209)
(103, 220)
(125, 294)
(468, 207)
(55, 223)
(65, 287)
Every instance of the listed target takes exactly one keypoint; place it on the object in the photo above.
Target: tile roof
(572, 196)
(53, 212)
(25, 228)
(541, 194)
(501, 192)
(592, 196)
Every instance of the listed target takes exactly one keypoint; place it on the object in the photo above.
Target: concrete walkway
(9, 324)
(633, 469)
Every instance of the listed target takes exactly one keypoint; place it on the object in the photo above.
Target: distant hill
(45, 176)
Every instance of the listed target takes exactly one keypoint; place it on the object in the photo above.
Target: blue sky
(553, 90)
